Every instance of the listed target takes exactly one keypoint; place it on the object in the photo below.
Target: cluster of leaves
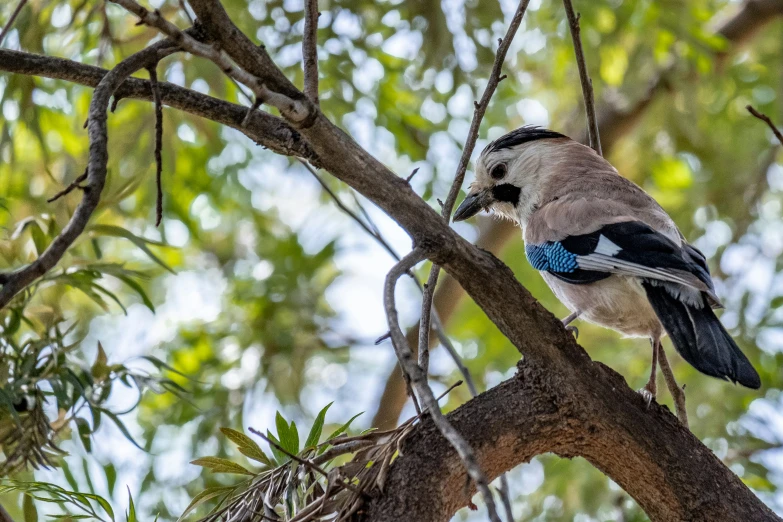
(297, 482)
(78, 506)
(47, 391)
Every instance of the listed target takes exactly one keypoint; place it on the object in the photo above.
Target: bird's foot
(574, 331)
(648, 394)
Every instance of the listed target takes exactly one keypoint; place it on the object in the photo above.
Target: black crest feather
(520, 136)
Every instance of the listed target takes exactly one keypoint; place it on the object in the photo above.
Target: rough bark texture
(646, 451)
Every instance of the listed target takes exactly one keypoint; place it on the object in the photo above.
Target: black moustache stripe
(506, 193)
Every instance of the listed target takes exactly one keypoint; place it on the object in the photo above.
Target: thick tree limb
(646, 451)
(613, 123)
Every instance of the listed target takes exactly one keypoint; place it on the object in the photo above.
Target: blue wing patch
(551, 257)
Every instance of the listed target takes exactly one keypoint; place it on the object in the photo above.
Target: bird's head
(511, 172)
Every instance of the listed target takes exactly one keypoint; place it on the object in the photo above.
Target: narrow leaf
(203, 496)
(318, 426)
(218, 465)
(247, 446)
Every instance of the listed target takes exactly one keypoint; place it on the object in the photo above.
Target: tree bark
(646, 451)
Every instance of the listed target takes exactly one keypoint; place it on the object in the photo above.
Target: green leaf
(84, 433)
(280, 457)
(131, 514)
(100, 368)
(141, 243)
(246, 445)
(318, 426)
(287, 435)
(342, 429)
(111, 477)
(218, 465)
(122, 428)
(30, 512)
(162, 365)
(203, 496)
(39, 237)
(138, 289)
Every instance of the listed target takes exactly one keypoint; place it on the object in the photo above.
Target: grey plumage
(606, 248)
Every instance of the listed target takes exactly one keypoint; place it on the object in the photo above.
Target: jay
(607, 250)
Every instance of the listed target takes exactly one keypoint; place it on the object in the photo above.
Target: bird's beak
(476, 201)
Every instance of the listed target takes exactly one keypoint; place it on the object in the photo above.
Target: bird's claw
(647, 395)
(574, 330)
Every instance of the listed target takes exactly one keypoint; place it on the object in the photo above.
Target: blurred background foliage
(267, 297)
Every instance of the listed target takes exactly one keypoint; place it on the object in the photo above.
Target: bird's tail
(701, 339)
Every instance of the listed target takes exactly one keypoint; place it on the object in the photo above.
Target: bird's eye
(498, 171)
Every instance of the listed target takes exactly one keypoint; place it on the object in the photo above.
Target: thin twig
(254, 106)
(310, 50)
(480, 109)
(426, 318)
(10, 22)
(304, 462)
(158, 143)
(504, 497)
(584, 78)
(73, 185)
(185, 10)
(763, 117)
(419, 381)
(350, 212)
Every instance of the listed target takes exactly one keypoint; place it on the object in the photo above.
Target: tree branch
(293, 110)
(11, 20)
(96, 170)
(593, 137)
(263, 128)
(249, 56)
(310, 51)
(763, 117)
(158, 143)
(419, 381)
(670, 474)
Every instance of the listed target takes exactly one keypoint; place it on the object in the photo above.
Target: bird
(607, 250)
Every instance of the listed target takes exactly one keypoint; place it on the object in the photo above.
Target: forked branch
(419, 382)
